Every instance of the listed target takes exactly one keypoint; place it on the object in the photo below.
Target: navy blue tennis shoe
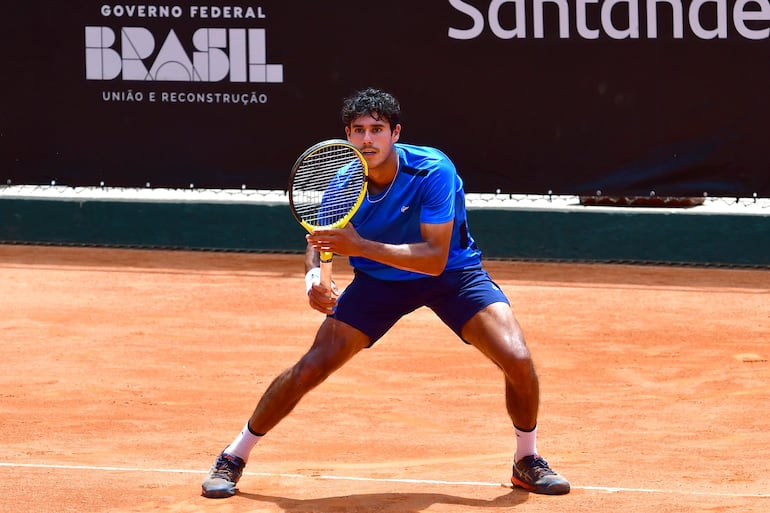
(222, 477)
(533, 473)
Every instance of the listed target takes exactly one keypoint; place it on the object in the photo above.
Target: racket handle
(326, 269)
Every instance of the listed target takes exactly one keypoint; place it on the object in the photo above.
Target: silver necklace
(382, 196)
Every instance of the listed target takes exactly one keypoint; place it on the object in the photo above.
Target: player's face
(374, 138)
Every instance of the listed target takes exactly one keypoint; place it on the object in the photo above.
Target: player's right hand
(322, 299)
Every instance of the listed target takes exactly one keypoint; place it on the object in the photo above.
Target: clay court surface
(125, 372)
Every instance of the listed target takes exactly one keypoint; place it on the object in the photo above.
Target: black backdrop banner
(612, 97)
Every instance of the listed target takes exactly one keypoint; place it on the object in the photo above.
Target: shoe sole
(217, 494)
(555, 489)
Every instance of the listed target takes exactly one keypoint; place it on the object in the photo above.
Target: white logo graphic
(404, 208)
(617, 19)
(235, 53)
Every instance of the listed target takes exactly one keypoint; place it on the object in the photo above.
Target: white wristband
(312, 277)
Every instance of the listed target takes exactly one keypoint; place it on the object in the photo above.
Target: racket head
(327, 184)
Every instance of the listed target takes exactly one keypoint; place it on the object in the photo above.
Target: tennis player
(410, 246)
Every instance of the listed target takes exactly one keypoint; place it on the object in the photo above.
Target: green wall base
(594, 235)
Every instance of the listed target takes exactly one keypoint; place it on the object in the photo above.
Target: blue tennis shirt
(427, 189)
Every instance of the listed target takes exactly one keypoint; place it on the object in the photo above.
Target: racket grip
(326, 269)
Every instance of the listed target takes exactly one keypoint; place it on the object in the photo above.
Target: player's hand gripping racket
(326, 187)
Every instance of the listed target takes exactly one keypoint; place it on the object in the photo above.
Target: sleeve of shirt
(438, 204)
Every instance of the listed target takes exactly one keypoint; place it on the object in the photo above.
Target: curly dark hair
(374, 102)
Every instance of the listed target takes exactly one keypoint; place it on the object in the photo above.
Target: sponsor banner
(604, 97)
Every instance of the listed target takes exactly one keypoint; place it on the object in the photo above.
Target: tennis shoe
(222, 477)
(533, 473)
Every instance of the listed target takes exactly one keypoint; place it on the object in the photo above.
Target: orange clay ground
(125, 372)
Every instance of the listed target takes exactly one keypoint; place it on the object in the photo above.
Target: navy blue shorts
(373, 306)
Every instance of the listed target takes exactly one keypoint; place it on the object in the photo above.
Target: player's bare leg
(498, 335)
(334, 345)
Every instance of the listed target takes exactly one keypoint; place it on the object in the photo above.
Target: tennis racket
(326, 187)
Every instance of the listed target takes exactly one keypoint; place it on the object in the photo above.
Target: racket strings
(326, 185)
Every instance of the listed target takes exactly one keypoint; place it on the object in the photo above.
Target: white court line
(606, 489)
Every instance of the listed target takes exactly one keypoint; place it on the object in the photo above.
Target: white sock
(526, 443)
(243, 443)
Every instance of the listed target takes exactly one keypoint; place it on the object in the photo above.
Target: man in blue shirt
(410, 246)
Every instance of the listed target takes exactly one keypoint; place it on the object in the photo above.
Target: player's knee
(517, 356)
(518, 364)
(520, 372)
(515, 348)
